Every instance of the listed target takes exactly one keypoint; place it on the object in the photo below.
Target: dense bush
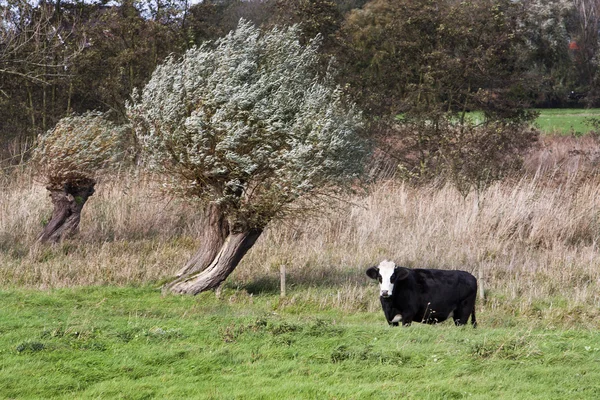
(78, 148)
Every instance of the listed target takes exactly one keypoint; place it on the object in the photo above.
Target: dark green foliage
(429, 56)
(316, 17)
(72, 58)
(122, 50)
(432, 62)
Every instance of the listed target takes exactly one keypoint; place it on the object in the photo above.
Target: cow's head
(387, 273)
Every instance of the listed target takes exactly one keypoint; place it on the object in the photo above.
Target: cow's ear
(373, 273)
(401, 273)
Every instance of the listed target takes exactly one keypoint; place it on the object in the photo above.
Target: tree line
(71, 56)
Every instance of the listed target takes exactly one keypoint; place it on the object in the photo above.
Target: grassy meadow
(86, 319)
(560, 121)
(563, 121)
(131, 343)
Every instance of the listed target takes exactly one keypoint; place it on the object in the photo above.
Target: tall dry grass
(532, 241)
(129, 233)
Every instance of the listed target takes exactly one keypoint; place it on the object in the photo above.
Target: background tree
(431, 62)
(59, 57)
(314, 16)
(69, 157)
(431, 56)
(212, 19)
(249, 130)
(37, 49)
(207, 21)
(122, 49)
(586, 37)
(544, 27)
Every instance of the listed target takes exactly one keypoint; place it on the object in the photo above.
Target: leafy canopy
(78, 148)
(246, 123)
(419, 66)
(425, 56)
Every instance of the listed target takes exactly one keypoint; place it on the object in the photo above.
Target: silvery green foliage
(545, 23)
(78, 148)
(248, 124)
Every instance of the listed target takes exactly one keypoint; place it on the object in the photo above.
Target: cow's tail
(473, 319)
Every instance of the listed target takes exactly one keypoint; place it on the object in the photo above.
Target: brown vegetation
(531, 240)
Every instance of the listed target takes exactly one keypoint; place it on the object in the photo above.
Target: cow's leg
(407, 319)
(391, 314)
(470, 309)
(464, 311)
(457, 316)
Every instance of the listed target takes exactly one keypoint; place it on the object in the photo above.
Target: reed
(532, 240)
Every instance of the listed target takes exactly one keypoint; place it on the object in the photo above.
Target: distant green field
(566, 120)
(132, 343)
(556, 120)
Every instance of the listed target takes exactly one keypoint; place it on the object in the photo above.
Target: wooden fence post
(282, 279)
(480, 283)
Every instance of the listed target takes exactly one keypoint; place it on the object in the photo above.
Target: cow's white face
(387, 273)
(386, 285)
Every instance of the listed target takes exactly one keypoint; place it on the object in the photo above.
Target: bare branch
(34, 45)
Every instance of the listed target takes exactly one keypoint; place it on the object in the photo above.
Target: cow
(425, 295)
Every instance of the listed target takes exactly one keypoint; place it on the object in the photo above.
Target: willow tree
(247, 128)
(68, 158)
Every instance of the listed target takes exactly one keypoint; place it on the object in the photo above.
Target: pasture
(558, 120)
(566, 121)
(85, 318)
(131, 343)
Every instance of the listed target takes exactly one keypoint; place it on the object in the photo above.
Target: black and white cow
(425, 295)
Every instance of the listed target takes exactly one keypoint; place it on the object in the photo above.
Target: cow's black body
(429, 296)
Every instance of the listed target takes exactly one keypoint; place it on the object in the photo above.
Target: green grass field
(566, 121)
(557, 120)
(133, 343)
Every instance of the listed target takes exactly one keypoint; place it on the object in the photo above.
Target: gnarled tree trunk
(213, 237)
(227, 257)
(68, 202)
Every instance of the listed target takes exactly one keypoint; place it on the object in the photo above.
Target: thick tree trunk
(223, 263)
(211, 241)
(68, 202)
